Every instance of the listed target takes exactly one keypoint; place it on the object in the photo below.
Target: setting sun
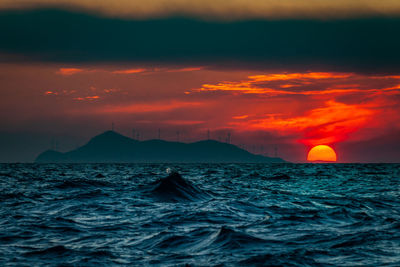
(321, 153)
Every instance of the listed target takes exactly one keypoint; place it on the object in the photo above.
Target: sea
(200, 214)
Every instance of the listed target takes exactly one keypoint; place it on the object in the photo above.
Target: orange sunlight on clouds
(301, 108)
(69, 71)
(322, 107)
(324, 125)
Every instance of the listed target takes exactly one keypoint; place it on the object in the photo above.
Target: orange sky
(222, 9)
(334, 106)
(263, 110)
(277, 76)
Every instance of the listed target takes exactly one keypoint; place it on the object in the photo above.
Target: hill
(113, 147)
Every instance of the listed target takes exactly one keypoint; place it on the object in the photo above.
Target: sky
(279, 76)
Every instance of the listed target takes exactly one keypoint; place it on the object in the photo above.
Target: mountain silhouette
(114, 147)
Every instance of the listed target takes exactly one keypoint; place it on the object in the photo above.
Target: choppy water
(222, 214)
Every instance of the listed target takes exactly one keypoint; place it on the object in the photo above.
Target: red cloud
(68, 71)
(322, 108)
(129, 71)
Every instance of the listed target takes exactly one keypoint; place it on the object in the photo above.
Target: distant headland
(113, 147)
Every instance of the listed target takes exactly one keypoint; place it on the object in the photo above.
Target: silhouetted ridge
(175, 188)
(114, 147)
(50, 156)
(110, 138)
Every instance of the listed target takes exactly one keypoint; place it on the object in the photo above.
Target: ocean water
(200, 214)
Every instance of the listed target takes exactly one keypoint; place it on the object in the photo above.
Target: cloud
(322, 108)
(220, 9)
(129, 71)
(329, 124)
(89, 98)
(72, 71)
(240, 117)
(87, 94)
(307, 84)
(68, 71)
(147, 107)
(363, 44)
(299, 76)
(50, 93)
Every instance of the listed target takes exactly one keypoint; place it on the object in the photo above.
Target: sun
(322, 153)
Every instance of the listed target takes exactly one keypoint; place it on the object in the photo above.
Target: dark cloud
(365, 44)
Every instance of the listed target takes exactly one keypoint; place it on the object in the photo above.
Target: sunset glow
(270, 77)
(299, 109)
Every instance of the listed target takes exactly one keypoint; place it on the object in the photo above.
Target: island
(112, 147)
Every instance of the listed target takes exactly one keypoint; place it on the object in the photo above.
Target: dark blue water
(222, 214)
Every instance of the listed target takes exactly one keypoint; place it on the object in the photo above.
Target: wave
(204, 240)
(226, 215)
(229, 238)
(300, 257)
(175, 188)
